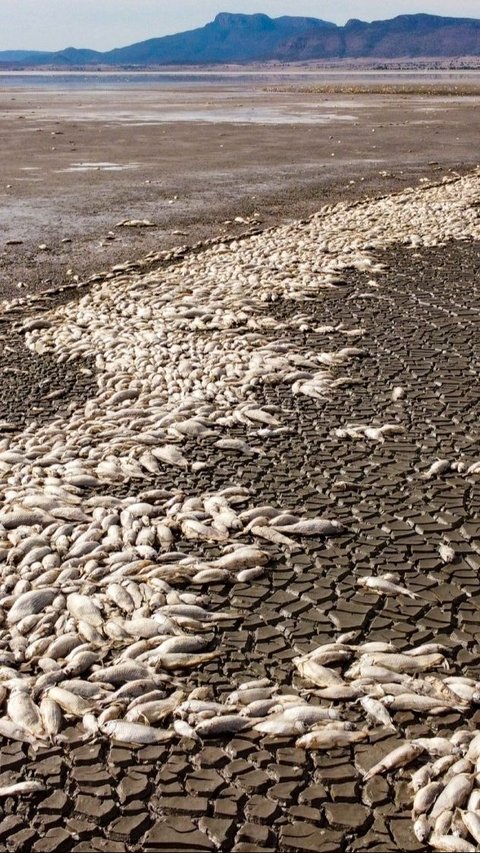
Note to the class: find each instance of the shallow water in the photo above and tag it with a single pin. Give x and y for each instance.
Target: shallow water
(120, 79)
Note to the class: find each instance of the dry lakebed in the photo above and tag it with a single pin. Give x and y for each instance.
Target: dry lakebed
(239, 466)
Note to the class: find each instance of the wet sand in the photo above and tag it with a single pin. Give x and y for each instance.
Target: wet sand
(249, 793)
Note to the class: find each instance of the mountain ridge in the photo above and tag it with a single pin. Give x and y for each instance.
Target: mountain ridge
(241, 38)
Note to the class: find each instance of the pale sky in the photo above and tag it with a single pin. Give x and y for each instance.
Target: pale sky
(105, 24)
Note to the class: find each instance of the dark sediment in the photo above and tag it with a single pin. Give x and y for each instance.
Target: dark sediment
(249, 793)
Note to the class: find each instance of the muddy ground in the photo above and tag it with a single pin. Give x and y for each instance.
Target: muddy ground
(191, 158)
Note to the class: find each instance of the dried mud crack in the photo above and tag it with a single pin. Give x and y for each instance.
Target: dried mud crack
(414, 311)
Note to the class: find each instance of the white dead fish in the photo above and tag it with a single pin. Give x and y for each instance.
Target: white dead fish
(224, 725)
(375, 709)
(71, 703)
(134, 733)
(385, 586)
(83, 609)
(454, 795)
(312, 527)
(328, 738)
(320, 675)
(421, 828)
(425, 797)
(51, 715)
(447, 554)
(20, 789)
(23, 712)
(398, 757)
(451, 844)
(440, 466)
(29, 603)
(472, 822)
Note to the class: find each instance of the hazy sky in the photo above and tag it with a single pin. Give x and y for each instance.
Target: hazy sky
(104, 24)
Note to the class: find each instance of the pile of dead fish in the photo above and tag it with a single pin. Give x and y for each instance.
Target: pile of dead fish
(445, 789)
(101, 615)
(384, 680)
(93, 594)
(446, 803)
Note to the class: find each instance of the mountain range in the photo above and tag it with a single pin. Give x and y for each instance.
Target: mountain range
(234, 38)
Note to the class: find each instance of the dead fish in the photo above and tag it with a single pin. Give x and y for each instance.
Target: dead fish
(309, 715)
(71, 703)
(340, 693)
(23, 712)
(224, 725)
(425, 797)
(447, 554)
(437, 747)
(327, 738)
(121, 597)
(414, 702)
(81, 662)
(12, 731)
(245, 557)
(398, 757)
(184, 730)
(86, 689)
(238, 445)
(473, 751)
(51, 715)
(170, 454)
(385, 586)
(211, 575)
(443, 823)
(472, 823)
(473, 804)
(427, 649)
(406, 663)
(320, 675)
(252, 694)
(454, 795)
(122, 672)
(451, 844)
(135, 733)
(313, 527)
(142, 627)
(272, 535)
(246, 575)
(375, 709)
(179, 660)
(421, 777)
(84, 610)
(154, 711)
(261, 707)
(440, 466)
(30, 786)
(328, 654)
(375, 674)
(421, 828)
(257, 683)
(276, 725)
(61, 646)
(30, 603)
(462, 765)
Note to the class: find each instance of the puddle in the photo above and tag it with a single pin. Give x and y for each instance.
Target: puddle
(99, 167)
